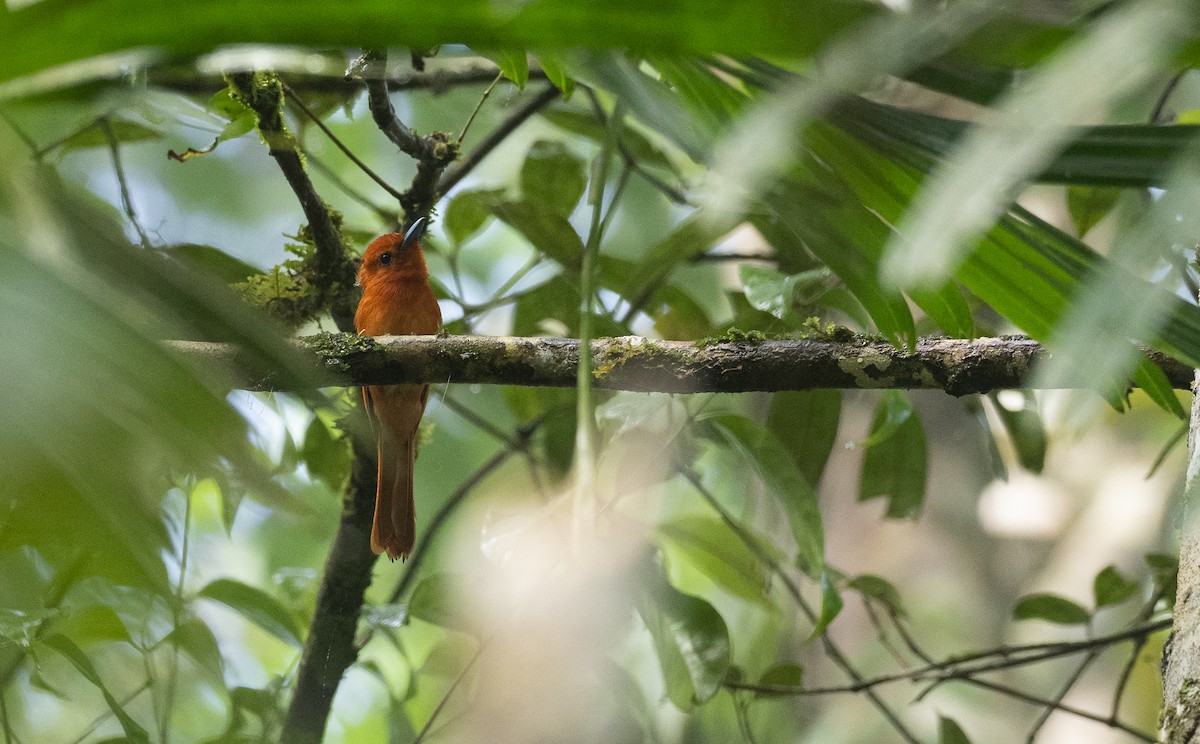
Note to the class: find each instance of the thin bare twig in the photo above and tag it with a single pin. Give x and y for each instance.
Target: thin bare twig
(114, 150)
(475, 112)
(340, 145)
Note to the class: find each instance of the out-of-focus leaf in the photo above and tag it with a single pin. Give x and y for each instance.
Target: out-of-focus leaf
(777, 293)
(546, 230)
(1088, 205)
(553, 67)
(1026, 431)
(806, 424)
(712, 548)
(895, 468)
(780, 675)
(950, 732)
(690, 639)
(81, 662)
(1030, 126)
(196, 640)
(1111, 588)
(553, 177)
(587, 125)
(1051, 608)
(690, 237)
(256, 606)
(877, 588)
(438, 600)
(43, 37)
(213, 261)
(514, 65)
(1154, 383)
(785, 481)
(831, 604)
(145, 615)
(122, 130)
(469, 211)
(327, 458)
(1165, 569)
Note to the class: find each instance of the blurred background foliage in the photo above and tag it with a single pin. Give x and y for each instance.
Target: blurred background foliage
(959, 169)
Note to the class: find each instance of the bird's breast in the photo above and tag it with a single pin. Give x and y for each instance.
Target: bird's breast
(399, 308)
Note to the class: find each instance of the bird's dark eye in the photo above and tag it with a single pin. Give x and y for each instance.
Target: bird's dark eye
(385, 259)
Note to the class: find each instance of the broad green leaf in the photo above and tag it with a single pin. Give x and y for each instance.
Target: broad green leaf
(553, 67)
(122, 130)
(1088, 205)
(1111, 588)
(785, 481)
(777, 293)
(1154, 383)
(65, 646)
(41, 37)
(806, 424)
(145, 615)
(1025, 431)
(326, 457)
(831, 604)
(949, 732)
(1051, 608)
(196, 640)
(893, 410)
(213, 261)
(514, 65)
(438, 600)
(690, 639)
(1030, 126)
(1165, 569)
(879, 589)
(713, 549)
(781, 675)
(469, 211)
(256, 606)
(895, 469)
(553, 177)
(586, 124)
(546, 230)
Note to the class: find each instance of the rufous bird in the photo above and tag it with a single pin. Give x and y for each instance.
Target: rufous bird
(396, 301)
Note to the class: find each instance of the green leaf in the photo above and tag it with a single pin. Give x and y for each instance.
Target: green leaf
(1165, 569)
(1051, 608)
(553, 67)
(553, 177)
(438, 600)
(713, 549)
(1030, 126)
(780, 675)
(895, 468)
(1088, 205)
(785, 481)
(879, 589)
(196, 640)
(83, 664)
(514, 65)
(326, 457)
(122, 130)
(950, 732)
(690, 640)
(1154, 383)
(256, 606)
(638, 145)
(1026, 431)
(469, 211)
(892, 412)
(831, 604)
(213, 261)
(806, 424)
(1111, 588)
(545, 229)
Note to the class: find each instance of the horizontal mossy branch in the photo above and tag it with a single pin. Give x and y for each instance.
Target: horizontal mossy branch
(956, 366)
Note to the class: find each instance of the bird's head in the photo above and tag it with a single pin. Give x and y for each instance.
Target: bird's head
(395, 256)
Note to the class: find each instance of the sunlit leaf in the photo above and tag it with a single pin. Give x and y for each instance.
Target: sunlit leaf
(712, 548)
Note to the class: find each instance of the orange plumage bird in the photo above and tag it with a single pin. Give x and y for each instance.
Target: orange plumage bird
(396, 301)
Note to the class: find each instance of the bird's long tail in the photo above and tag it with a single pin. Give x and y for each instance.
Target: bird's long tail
(394, 528)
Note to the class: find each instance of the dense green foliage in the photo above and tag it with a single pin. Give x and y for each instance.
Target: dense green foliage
(633, 567)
